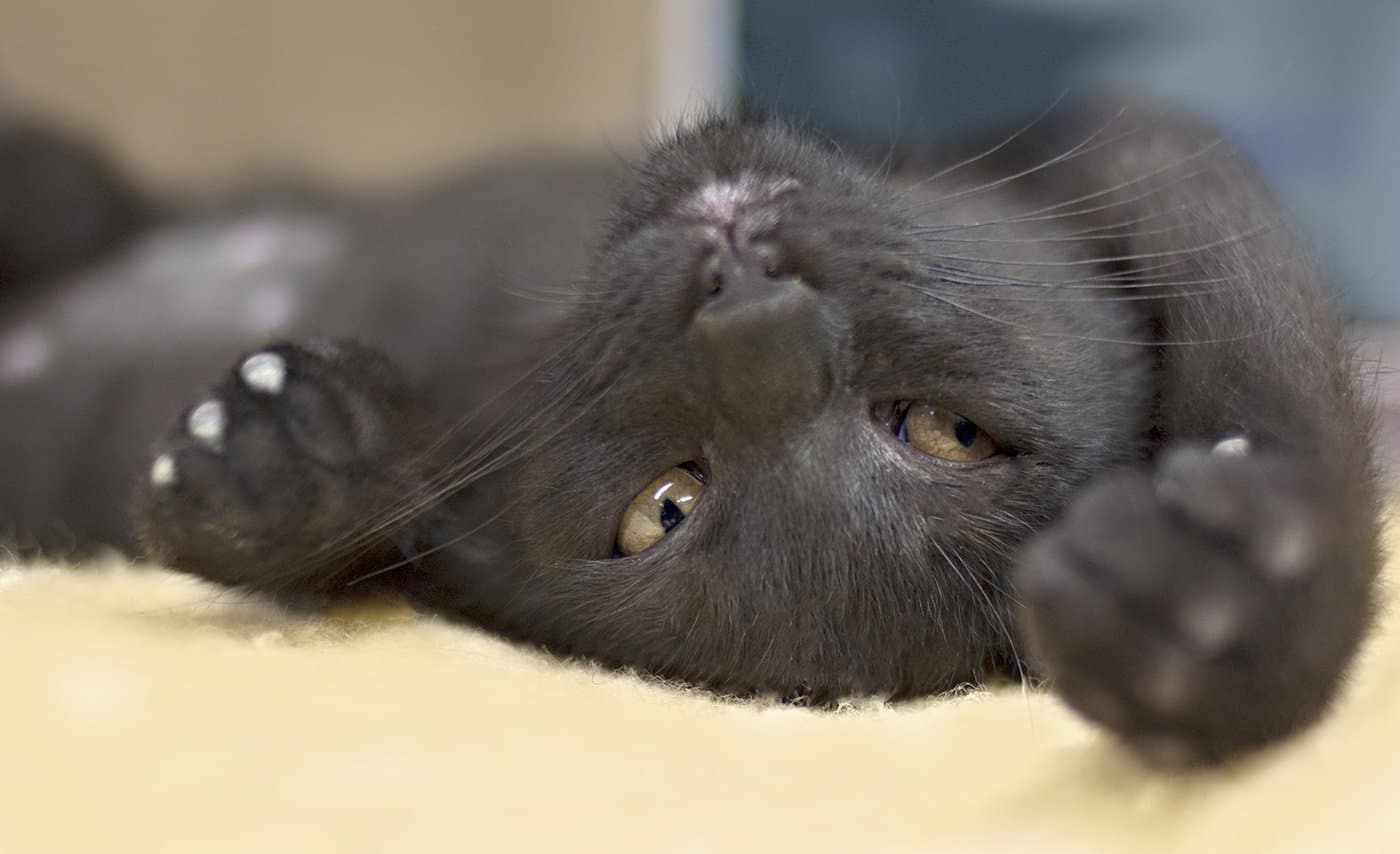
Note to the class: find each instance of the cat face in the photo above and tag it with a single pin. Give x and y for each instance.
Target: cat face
(781, 447)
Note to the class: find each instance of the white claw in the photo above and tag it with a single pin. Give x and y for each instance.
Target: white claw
(1235, 446)
(206, 423)
(163, 471)
(264, 372)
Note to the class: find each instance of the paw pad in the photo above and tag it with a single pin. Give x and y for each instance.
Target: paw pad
(1211, 622)
(1168, 685)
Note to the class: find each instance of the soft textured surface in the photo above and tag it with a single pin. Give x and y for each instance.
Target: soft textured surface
(144, 711)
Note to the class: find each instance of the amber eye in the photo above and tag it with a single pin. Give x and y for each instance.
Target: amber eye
(940, 432)
(663, 505)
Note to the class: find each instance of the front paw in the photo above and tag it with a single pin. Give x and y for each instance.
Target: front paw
(269, 477)
(1201, 609)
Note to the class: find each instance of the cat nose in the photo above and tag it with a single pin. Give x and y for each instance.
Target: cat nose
(766, 345)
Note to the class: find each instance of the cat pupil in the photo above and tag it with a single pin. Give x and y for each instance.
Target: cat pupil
(964, 431)
(671, 515)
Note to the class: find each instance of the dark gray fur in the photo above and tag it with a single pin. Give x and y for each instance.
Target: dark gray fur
(1109, 293)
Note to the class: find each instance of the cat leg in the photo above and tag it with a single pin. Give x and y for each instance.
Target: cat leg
(1211, 601)
(279, 477)
(62, 204)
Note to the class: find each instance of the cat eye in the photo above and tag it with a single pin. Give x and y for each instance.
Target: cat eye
(939, 432)
(659, 508)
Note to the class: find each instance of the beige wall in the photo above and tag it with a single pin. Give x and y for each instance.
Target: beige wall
(189, 90)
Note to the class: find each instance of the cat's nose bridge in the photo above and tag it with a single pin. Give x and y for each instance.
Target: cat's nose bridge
(767, 347)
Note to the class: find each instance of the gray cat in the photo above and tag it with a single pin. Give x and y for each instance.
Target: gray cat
(769, 419)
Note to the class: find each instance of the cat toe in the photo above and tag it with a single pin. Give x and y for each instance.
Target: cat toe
(1268, 511)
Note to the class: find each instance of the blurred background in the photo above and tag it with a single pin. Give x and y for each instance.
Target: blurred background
(189, 92)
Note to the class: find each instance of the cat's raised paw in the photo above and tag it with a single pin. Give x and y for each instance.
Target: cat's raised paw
(1199, 609)
(282, 457)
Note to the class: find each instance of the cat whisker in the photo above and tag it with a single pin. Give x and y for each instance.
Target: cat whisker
(1187, 251)
(977, 158)
(981, 598)
(466, 470)
(422, 495)
(1074, 237)
(1244, 336)
(1105, 288)
(409, 561)
(1035, 215)
(1080, 148)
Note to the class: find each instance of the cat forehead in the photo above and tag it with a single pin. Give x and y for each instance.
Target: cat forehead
(724, 200)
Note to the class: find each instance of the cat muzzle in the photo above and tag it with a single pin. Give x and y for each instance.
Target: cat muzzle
(767, 346)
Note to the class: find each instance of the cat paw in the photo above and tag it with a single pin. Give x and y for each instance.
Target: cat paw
(1200, 609)
(274, 465)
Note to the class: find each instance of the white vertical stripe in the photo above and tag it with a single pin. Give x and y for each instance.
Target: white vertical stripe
(696, 57)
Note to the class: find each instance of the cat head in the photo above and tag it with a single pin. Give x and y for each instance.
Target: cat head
(781, 446)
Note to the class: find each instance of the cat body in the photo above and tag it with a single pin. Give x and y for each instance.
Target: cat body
(100, 347)
(797, 424)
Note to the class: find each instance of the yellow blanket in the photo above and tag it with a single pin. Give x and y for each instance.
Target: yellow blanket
(144, 711)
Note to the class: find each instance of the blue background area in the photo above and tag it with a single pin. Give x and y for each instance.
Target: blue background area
(1310, 87)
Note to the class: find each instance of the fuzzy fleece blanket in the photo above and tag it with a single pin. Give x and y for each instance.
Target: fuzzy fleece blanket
(145, 711)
